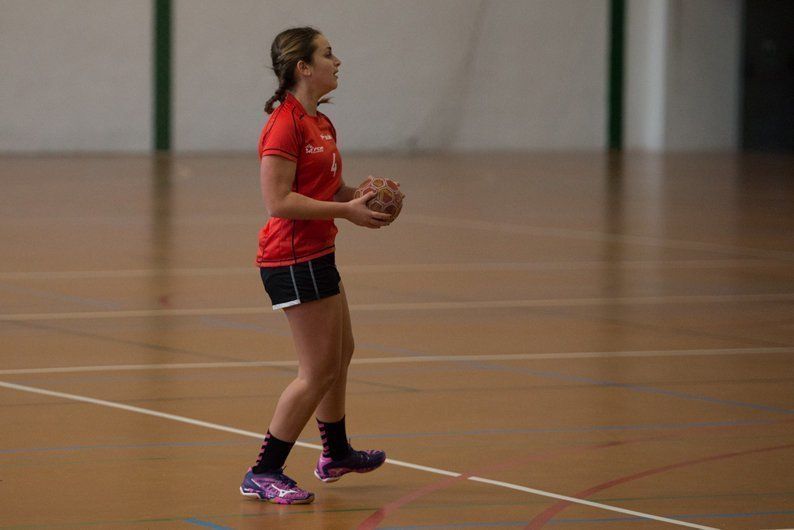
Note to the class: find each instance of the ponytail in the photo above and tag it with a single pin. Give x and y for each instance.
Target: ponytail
(281, 93)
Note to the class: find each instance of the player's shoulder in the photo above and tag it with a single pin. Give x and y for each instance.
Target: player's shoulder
(283, 132)
(285, 121)
(286, 114)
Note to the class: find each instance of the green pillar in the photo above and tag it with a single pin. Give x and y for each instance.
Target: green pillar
(617, 18)
(162, 75)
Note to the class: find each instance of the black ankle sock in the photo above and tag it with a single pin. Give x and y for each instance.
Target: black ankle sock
(334, 439)
(273, 455)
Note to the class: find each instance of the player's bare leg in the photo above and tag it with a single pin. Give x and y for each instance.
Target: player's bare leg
(332, 405)
(316, 331)
(338, 457)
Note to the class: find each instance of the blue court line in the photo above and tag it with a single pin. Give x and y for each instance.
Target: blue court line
(543, 374)
(629, 386)
(207, 524)
(49, 295)
(481, 432)
(593, 428)
(272, 330)
(122, 446)
(493, 524)
(493, 366)
(313, 511)
(231, 324)
(590, 520)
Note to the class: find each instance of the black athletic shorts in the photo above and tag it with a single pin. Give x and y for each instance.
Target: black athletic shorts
(294, 284)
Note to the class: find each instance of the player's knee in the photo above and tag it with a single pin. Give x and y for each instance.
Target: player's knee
(325, 379)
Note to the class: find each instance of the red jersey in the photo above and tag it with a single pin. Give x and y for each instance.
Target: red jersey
(310, 142)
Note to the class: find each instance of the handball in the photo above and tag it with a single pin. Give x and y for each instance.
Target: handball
(388, 197)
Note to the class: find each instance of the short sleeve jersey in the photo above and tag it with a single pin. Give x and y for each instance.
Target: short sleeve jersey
(310, 142)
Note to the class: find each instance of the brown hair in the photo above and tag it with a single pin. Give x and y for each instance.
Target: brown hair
(288, 48)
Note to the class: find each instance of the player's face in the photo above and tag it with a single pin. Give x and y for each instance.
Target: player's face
(325, 66)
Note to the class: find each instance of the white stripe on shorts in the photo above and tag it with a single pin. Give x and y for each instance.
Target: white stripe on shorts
(311, 271)
(294, 283)
(286, 304)
(297, 295)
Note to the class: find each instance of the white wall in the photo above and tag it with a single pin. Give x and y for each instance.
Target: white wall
(416, 74)
(76, 75)
(446, 74)
(682, 74)
(538, 79)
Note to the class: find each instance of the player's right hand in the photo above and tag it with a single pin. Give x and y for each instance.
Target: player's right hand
(358, 213)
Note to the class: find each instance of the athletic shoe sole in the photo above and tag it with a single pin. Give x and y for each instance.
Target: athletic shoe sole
(334, 479)
(275, 500)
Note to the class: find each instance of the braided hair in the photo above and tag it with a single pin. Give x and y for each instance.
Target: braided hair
(290, 47)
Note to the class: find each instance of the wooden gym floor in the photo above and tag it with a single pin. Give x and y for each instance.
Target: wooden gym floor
(561, 341)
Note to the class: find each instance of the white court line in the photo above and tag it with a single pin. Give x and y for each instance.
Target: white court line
(406, 359)
(412, 306)
(592, 235)
(259, 436)
(584, 502)
(406, 267)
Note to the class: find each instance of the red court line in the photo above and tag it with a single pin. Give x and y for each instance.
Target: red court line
(544, 517)
(384, 511)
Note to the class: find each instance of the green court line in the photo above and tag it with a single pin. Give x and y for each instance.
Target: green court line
(617, 19)
(162, 74)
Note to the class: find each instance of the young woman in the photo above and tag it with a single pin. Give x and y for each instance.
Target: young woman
(303, 190)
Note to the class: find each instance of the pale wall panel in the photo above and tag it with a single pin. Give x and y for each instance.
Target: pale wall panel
(539, 78)
(76, 75)
(446, 74)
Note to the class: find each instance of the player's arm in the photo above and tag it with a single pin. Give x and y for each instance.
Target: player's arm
(344, 193)
(276, 176)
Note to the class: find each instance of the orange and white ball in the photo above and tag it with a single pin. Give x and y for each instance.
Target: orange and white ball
(388, 197)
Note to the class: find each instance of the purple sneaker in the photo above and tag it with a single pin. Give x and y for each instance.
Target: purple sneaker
(329, 470)
(274, 487)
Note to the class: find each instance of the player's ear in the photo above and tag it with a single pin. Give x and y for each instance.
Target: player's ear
(303, 68)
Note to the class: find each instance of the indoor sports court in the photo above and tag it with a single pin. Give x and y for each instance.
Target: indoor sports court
(583, 317)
